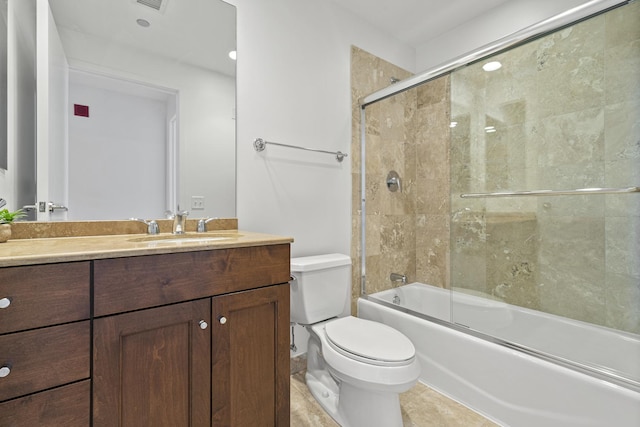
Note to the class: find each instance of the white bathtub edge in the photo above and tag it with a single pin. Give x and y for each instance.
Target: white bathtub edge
(504, 385)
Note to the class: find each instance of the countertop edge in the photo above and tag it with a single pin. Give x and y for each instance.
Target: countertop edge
(65, 249)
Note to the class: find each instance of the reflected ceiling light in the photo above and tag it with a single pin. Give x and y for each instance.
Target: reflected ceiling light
(233, 55)
(143, 22)
(453, 124)
(492, 66)
(490, 129)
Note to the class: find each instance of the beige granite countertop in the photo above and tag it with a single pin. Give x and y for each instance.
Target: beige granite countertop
(46, 250)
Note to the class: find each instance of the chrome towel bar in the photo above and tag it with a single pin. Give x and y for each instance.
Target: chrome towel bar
(260, 144)
(580, 191)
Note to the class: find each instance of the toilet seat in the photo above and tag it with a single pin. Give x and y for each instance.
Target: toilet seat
(369, 342)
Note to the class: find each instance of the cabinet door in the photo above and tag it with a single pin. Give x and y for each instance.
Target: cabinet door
(250, 347)
(152, 367)
(66, 406)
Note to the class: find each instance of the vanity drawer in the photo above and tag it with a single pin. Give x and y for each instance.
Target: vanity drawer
(44, 358)
(125, 284)
(64, 406)
(41, 295)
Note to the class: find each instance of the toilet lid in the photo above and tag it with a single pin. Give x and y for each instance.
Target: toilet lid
(372, 341)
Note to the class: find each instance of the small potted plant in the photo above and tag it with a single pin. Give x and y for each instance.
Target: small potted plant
(6, 218)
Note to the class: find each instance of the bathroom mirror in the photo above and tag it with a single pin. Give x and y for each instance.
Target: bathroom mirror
(149, 115)
(3, 84)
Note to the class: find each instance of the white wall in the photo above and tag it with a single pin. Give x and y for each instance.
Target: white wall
(121, 145)
(294, 88)
(499, 22)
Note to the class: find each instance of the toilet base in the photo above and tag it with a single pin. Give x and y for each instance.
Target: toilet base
(354, 407)
(358, 407)
(325, 395)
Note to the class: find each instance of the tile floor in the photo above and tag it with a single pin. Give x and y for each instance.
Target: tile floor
(421, 407)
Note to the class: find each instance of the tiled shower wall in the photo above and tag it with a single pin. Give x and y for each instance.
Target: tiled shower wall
(566, 109)
(407, 231)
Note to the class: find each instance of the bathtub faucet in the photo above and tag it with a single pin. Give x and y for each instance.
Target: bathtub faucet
(397, 277)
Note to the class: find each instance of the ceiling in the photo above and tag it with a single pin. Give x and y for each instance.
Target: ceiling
(415, 22)
(196, 32)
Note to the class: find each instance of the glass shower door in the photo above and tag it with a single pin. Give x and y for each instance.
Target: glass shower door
(556, 269)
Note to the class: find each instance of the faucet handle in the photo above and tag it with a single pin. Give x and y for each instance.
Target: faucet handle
(202, 224)
(152, 225)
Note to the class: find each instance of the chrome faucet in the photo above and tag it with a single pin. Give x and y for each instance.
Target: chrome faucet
(179, 220)
(152, 225)
(397, 277)
(202, 224)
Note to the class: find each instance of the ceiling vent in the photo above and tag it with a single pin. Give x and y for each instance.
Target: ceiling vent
(159, 5)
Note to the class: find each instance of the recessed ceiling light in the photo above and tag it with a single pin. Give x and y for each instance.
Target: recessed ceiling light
(492, 66)
(143, 23)
(233, 55)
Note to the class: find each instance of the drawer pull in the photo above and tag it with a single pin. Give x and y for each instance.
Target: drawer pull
(222, 320)
(4, 371)
(203, 324)
(5, 302)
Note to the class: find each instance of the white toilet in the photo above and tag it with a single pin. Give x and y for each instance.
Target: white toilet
(356, 368)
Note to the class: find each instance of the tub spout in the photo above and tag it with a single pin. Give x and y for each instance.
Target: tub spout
(397, 277)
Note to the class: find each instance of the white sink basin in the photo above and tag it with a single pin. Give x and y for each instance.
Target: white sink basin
(179, 239)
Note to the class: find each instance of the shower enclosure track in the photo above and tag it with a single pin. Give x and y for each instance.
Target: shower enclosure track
(578, 192)
(571, 16)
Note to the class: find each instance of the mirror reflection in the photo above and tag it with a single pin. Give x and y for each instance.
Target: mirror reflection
(140, 106)
(3, 84)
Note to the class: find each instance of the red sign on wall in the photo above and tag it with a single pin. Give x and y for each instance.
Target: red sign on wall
(81, 110)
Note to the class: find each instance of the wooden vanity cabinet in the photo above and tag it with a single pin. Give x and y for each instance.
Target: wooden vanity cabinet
(45, 339)
(192, 339)
(181, 339)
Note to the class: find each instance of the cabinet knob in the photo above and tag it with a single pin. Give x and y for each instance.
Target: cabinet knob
(4, 371)
(203, 324)
(5, 302)
(222, 320)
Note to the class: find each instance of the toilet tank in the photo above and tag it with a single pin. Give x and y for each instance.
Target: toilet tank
(320, 287)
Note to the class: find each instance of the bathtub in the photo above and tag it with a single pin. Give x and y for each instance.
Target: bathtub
(506, 383)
